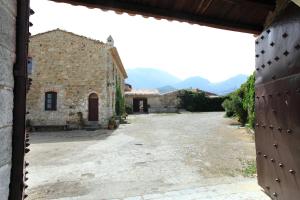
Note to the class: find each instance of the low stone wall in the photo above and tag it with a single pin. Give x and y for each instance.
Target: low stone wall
(7, 59)
(165, 103)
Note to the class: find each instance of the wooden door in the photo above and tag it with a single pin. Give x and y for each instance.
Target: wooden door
(277, 90)
(145, 105)
(136, 105)
(93, 107)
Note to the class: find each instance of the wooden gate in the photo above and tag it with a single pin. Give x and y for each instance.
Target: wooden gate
(277, 106)
(93, 107)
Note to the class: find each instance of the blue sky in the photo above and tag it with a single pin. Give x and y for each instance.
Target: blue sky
(181, 49)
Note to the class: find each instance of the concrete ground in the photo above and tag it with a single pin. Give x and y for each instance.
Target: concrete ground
(185, 156)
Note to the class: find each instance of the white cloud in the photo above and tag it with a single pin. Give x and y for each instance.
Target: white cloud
(181, 49)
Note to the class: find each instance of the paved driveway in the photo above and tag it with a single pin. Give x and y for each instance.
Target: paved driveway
(157, 156)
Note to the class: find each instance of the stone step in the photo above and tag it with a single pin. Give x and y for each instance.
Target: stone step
(92, 126)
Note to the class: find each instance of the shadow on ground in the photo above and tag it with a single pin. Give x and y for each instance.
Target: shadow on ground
(69, 136)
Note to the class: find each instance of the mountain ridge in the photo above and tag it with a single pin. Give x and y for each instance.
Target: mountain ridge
(163, 81)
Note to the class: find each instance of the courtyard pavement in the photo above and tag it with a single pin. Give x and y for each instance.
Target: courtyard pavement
(188, 156)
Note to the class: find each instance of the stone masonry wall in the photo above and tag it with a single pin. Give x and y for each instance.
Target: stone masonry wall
(7, 59)
(165, 103)
(74, 67)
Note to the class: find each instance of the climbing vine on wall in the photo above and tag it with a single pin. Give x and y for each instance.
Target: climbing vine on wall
(120, 101)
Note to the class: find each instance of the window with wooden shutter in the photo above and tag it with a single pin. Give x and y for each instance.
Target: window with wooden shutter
(50, 100)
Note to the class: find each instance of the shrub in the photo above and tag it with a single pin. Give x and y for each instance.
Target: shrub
(229, 108)
(249, 100)
(241, 103)
(128, 109)
(240, 112)
(198, 102)
(112, 123)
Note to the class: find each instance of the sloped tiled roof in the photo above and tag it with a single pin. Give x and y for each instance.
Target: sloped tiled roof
(143, 92)
(64, 31)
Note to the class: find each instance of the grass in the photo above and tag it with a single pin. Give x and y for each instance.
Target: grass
(249, 168)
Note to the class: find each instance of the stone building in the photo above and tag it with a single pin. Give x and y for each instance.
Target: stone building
(152, 101)
(74, 79)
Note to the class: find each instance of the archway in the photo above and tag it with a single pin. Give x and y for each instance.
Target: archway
(19, 91)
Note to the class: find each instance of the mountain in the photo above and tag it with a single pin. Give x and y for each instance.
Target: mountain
(146, 78)
(193, 82)
(150, 78)
(167, 88)
(220, 88)
(230, 85)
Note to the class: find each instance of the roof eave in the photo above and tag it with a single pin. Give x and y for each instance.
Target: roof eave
(118, 60)
(150, 11)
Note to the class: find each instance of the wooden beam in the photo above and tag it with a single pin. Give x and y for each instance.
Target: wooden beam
(265, 4)
(147, 10)
(17, 183)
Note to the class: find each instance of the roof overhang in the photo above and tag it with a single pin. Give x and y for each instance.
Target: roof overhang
(236, 15)
(297, 2)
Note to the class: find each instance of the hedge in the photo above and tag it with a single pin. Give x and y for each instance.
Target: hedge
(198, 102)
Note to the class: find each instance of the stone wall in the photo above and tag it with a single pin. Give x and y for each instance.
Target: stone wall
(74, 67)
(165, 103)
(7, 59)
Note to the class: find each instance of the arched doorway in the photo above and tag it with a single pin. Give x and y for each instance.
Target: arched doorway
(93, 107)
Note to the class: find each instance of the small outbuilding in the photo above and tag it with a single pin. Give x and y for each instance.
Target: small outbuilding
(152, 101)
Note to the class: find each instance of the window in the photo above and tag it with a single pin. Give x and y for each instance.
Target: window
(29, 65)
(50, 100)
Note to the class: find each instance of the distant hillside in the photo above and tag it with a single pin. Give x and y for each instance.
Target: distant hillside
(194, 82)
(166, 89)
(150, 78)
(230, 84)
(220, 88)
(165, 82)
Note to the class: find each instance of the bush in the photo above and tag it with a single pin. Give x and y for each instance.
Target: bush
(112, 123)
(240, 112)
(229, 108)
(249, 100)
(128, 109)
(241, 103)
(198, 102)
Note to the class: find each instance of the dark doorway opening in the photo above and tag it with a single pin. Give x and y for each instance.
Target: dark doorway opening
(140, 105)
(93, 107)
